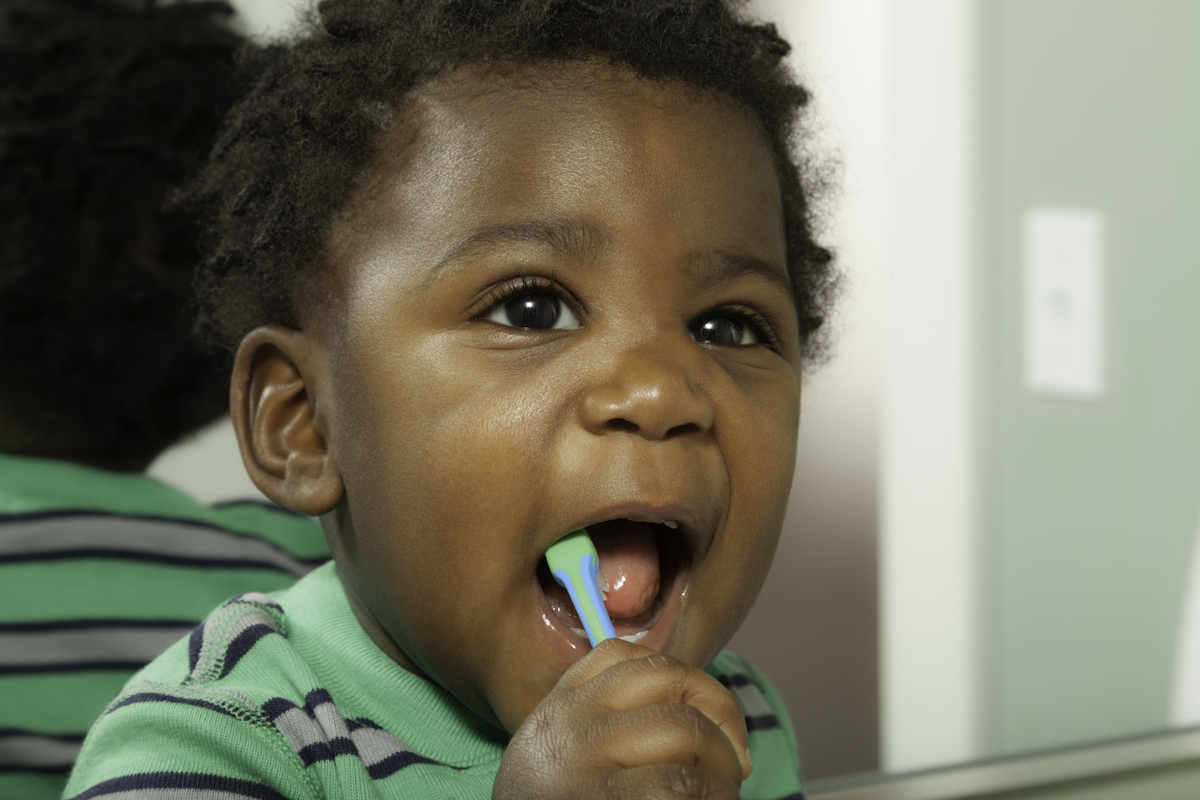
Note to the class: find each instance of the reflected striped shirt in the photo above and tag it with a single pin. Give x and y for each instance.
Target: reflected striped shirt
(99, 573)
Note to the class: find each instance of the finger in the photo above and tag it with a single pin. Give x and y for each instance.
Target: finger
(653, 679)
(665, 733)
(669, 781)
(601, 657)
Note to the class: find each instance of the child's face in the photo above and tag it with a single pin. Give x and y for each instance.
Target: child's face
(620, 222)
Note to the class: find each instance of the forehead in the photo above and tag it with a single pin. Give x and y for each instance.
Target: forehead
(577, 146)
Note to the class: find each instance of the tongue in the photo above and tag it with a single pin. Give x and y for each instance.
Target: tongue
(629, 560)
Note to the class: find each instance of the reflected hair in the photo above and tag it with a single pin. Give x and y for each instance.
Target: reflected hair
(105, 107)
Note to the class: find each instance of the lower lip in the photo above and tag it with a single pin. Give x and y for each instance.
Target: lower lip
(569, 647)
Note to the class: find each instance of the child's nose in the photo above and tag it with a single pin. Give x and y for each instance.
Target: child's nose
(649, 392)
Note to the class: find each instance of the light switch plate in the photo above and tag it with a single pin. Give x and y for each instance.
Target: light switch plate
(1064, 302)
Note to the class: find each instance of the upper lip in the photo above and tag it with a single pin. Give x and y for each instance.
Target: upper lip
(695, 531)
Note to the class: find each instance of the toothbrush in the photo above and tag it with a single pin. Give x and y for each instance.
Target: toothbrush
(573, 563)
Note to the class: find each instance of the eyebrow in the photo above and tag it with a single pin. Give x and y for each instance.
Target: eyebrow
(579, 239)
(584, 241)
(722, 266)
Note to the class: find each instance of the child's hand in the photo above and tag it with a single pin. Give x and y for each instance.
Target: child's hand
(626, 721)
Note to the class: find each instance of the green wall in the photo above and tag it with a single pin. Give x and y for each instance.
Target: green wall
(1092, 507)
(1173, 783)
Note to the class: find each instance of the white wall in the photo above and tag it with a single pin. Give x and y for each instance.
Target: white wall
(264, 18)
(1185, 695)
(207, 466)
(819, 608)
(928, 575)
(893, 83)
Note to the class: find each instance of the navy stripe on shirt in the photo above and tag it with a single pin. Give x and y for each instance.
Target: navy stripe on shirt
(394, 763)
(114, 554)
(241, 645)
(87, 624)
(764, 722)
(195, 641)
(736, 679)
(199, 784)
(74, 666)
(157, 697)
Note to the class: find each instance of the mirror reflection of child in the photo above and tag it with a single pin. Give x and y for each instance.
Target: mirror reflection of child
(105, 107)
(495, 271)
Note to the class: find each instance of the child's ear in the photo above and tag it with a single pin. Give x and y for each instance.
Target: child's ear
(278, 413)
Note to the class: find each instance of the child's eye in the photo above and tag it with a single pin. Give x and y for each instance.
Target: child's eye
(536, 311)
(724, 329)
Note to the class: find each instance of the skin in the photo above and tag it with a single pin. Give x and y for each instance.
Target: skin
(447, 449)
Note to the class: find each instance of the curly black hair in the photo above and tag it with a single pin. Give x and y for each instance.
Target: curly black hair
(105, 107)
(297, 148)
(294, 151)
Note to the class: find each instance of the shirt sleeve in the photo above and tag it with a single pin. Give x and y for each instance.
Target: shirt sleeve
(164, 733)
(777, 770)
(152, 740)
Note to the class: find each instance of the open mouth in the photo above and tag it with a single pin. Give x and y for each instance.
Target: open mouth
(640, 562)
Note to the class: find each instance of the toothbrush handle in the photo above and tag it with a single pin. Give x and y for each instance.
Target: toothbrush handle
(574, 564)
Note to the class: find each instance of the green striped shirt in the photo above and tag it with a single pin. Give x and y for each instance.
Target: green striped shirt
(286, 696)
(99, 573)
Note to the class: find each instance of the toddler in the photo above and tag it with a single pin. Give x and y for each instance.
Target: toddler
(495, 271)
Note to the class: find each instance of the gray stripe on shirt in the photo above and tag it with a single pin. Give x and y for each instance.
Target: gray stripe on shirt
(373, 744)
(244, 623)
(152, 537)
(331, 721)
(31, 751)
(27, 648)
(213, 654)
(753, 703)
(299, 729)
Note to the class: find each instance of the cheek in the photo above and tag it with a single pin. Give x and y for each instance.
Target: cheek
(441, 437)
(758, 445)
(442, 463)
(761, 445)
(761, 459)
(771, 486)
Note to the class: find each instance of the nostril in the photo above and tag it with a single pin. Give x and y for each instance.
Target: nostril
(622, 425)
(680, 430)
(625, 426)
